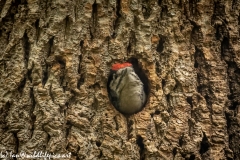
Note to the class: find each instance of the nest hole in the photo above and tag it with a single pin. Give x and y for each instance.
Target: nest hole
(141, 74)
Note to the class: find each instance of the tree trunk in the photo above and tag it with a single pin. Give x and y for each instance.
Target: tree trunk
(55, 62)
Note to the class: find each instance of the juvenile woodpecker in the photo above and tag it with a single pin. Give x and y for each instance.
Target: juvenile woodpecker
(126, 89)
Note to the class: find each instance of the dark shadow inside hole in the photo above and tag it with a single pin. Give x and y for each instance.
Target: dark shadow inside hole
(139, 71)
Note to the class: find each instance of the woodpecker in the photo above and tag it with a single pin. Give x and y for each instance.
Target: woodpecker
(126, 89)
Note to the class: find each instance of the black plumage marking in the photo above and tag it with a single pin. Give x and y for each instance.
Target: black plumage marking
(122, 75)
(134, 75)
(114, 98)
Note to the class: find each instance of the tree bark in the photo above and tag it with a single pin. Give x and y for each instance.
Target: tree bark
(55, 62)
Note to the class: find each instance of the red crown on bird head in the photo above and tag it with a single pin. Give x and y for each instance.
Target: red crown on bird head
(118, 66)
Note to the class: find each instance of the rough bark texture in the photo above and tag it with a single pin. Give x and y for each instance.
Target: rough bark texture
(55, 61)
